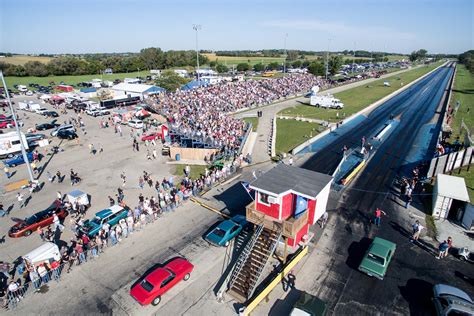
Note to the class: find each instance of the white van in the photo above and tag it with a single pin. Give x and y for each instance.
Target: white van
(46, 252)
(10, 144)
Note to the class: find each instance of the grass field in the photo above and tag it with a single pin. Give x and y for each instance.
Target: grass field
(358, 98)
(23, 59)
(463, 91)
(254, 121)
(196, 171)
(235, 60)
(69, 79)
(291, 133)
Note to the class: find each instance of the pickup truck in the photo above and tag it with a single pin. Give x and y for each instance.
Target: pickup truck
(98, 112)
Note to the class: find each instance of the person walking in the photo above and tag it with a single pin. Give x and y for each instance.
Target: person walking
(417, 228)
(442, 248)
(141, 182)
(58, 175)
(155, 155)
(408, 201)
(19, 198)
(123, 177)
(378, 216)
(450, 244)
(50, 177)
(7, 172)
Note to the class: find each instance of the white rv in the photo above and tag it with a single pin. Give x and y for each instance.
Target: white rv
(325, 101)
(10, 144)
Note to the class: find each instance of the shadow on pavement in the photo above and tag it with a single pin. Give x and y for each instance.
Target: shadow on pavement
(357, 251)
(418, 294)
(235, 199)
(284, 307)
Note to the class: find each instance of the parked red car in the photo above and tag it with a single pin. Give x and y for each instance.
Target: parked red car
(159, 281)
(7, 123)
(41, 219)
(151, 136)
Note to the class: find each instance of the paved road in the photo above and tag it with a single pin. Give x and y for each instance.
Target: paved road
(406, 288)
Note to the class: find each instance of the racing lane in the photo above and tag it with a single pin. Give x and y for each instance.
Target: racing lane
(413, 271)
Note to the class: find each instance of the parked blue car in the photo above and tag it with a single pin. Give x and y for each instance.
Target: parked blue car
(226, 231)
(17, 160)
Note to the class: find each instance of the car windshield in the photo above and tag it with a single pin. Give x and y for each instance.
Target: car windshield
(31, 220)
(219, 232)
(147, 286)
(96, 220)
(376, 259)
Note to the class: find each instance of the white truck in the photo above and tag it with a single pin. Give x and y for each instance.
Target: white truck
(10, 144)
(325, 101)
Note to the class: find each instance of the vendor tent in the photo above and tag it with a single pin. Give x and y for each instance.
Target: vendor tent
(449, 196)
(194, 84)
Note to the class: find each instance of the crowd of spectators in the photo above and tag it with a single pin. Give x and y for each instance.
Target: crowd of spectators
(203, 113)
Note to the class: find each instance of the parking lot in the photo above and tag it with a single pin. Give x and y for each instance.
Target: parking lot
(100, 173)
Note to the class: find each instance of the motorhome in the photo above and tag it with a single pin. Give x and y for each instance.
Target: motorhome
(10, 144)
(324, 101)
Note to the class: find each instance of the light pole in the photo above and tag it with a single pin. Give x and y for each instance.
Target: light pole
(284, 50)
(23, 151)
(327, 59)
(197, 27)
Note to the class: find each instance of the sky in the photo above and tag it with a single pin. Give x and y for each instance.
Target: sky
(97, 26)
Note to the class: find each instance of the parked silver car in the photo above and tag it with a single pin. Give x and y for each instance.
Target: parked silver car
(449, 300)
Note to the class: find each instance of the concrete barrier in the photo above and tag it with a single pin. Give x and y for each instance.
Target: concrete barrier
(369, 108)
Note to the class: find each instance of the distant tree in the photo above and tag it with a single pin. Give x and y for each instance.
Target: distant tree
(36, 69)
(259, 67)
(292, 55)
(212, 64)
(467, 59)
(422, 53)
(273, 66)
(296, 64)
(152, 58)
(316, 68)
(221, 68)
(170, 81)
(335, 63)
(243, 67)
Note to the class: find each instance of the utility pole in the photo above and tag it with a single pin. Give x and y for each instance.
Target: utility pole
(22, 143)
(284, 49)
(327, 59)
(197, 27)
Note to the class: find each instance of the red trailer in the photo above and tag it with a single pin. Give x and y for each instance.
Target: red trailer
(64, 88)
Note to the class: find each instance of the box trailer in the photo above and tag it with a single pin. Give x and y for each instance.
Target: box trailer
(10, 144)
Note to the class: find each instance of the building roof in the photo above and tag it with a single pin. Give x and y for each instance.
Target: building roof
(283, 178)
(136, 88)
(452, 187)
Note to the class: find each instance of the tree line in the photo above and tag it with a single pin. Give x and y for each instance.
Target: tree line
(148, 58)
(467, 59)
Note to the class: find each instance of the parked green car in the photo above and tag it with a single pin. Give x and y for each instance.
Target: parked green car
(111, 215)
(377, 258)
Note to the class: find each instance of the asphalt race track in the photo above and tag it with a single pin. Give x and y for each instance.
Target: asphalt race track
(413, 271)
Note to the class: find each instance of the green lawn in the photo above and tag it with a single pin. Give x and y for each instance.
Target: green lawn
(196, 170)
(358, 98)
(469, 178)
(254, 121)
(291, 133)
(72, 80)
(463, 91)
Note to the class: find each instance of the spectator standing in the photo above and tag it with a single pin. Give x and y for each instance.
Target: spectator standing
(378, 216)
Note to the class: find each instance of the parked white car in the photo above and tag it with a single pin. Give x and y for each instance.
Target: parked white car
(135, 124)
(41, 110)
